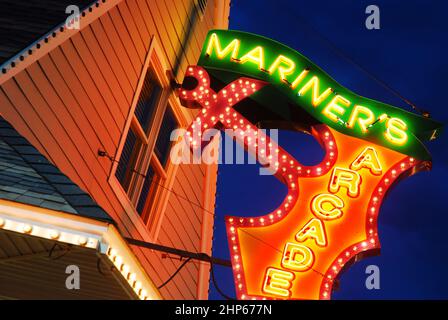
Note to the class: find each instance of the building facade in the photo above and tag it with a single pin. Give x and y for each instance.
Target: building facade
(88, 104)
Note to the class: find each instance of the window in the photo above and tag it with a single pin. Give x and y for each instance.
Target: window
(143, 162)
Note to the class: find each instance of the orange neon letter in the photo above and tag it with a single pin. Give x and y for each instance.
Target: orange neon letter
(364, 122)
(278, 282)
(345, 178)
(256, 56)
(314, 229)
(284, 65)
(327, 206)
(297, 257)
(367, 159)
(336, 108)
(221, 53)
(316, 99)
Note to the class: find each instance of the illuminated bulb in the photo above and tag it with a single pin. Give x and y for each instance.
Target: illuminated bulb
(27, 228)
(411, 159)
(262, 220)
(132, 277)
(251, 220)
(230, 219)
(112, 252)
(144, 293)
(54, 234)
(232, 229)
(271, 216)
(331, 154)
(327, 133)
(394, 172)
(125, 268)
(364, 244)
(375, 199)
(118, 260)
(82, 241)
(240, 286)
(138, 285)
(2, 222)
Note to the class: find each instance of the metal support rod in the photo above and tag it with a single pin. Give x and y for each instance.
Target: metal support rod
(182, 253)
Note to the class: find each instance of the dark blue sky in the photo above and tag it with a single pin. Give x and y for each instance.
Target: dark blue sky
(409, 53)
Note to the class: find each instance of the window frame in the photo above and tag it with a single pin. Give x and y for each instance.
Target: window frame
(152, 213)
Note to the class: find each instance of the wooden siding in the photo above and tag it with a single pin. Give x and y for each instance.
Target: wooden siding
(76, 99)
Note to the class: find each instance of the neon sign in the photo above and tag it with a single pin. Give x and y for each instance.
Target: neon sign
(310, 88)
(329, 216)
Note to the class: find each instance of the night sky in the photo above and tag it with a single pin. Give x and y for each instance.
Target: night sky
(409, 53)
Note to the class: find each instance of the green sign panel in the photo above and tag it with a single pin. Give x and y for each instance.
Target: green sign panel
(308, 87)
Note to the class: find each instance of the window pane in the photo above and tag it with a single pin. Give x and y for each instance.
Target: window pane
(146, 190)
(163, 143)
(147, 102)
(127, 159)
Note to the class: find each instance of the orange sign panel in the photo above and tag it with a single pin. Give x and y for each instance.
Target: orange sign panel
(329, 215)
